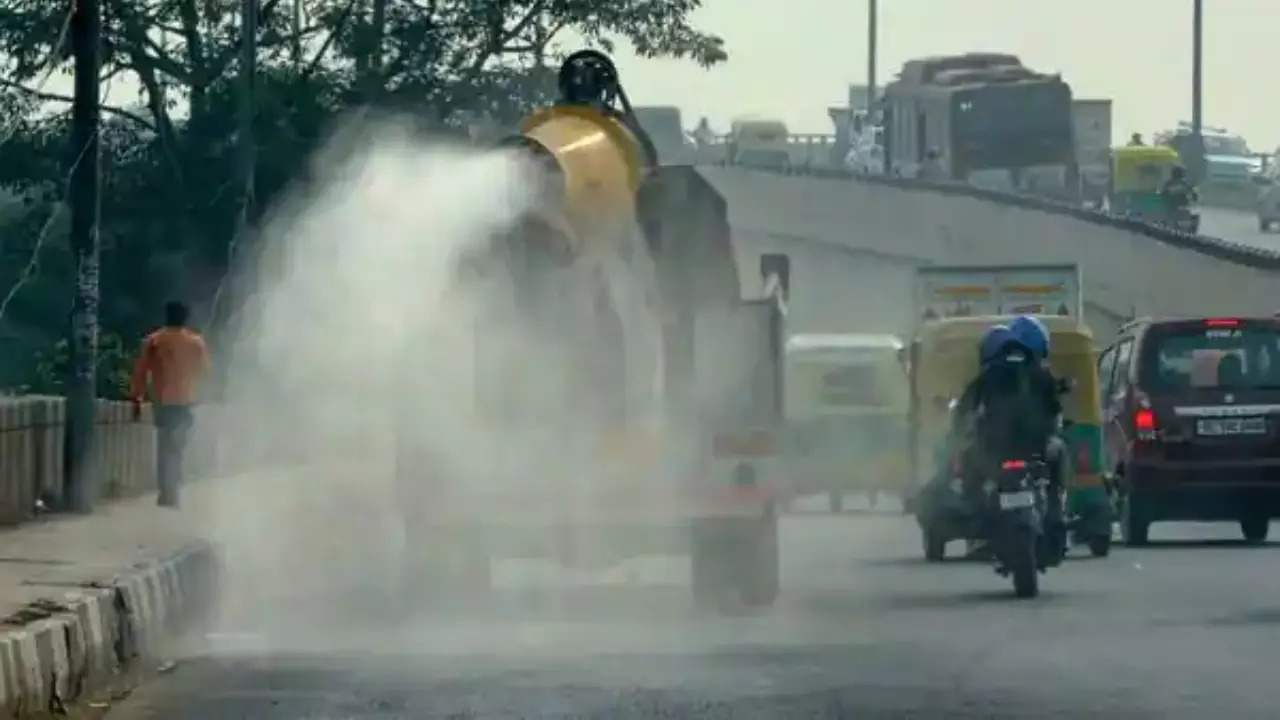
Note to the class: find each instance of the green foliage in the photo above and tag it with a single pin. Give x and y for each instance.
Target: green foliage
(115, 365)
(173, 186)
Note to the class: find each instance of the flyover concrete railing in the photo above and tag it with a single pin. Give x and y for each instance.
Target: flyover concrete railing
(32, 448)
(1126, 272)
(808, 151)
(1130, 268)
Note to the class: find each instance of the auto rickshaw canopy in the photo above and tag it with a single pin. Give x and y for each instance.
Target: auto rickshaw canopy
(946, 359)
(1141, 169)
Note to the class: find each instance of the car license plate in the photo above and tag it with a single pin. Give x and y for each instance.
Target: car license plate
(1016, 500)
(1216, 427)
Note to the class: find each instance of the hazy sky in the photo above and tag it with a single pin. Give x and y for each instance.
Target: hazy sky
(793, 58)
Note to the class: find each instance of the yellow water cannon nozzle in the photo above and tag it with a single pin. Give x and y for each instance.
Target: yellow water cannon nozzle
(593, 154)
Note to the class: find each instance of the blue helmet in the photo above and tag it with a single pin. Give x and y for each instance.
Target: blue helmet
(994, 341)
(1032, 334)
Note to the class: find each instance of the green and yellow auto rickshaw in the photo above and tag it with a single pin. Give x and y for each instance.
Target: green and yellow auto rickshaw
(944, 359)
(1137, 174)
(845, 406)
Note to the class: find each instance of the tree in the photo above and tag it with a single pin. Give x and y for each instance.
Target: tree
(171, 198)
(115, 366)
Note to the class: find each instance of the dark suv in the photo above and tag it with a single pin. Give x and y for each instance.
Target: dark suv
(1191, 414)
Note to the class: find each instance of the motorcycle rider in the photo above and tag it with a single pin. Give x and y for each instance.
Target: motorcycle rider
(1011, 367)
(1011, 409)
(1177, 192)
(1033, 334)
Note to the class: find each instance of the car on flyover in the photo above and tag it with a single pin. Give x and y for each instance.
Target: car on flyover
(1192, 422)
(1268, 199)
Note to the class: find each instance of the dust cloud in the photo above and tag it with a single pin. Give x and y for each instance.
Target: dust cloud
(358, 352)
(357, 272)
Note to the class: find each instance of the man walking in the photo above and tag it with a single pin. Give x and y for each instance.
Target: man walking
(172, 359)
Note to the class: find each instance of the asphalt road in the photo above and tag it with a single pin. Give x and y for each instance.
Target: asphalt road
(1236, 226)
(866, 629)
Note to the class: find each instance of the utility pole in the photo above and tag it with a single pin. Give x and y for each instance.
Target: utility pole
(78, 492)
(296, 27)
(1197, 98)
(246, 142)
(246, 160)
(873, 31)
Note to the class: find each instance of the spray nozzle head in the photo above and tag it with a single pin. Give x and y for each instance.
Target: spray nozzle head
(588, 77)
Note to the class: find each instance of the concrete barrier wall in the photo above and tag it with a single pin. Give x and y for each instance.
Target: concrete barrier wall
(1129, 270)
(123, 454)
(32, 448)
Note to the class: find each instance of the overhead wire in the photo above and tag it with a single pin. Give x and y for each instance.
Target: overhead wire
(47, 68)
(32, 268)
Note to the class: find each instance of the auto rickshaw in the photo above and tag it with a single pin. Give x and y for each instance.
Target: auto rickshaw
(1137, 174)
(943, 361)
(845, 406)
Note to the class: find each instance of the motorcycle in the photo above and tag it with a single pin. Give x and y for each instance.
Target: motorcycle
(1184, 220)
(1017, 506)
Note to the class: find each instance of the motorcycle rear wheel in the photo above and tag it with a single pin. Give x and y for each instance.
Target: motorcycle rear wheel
(1020, 559)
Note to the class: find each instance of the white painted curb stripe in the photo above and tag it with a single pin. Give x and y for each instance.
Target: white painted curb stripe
(101, 631)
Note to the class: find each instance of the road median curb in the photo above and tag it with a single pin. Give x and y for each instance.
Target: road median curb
(58, 651)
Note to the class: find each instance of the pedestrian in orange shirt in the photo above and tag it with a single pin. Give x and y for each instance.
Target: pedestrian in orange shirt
(172, 360)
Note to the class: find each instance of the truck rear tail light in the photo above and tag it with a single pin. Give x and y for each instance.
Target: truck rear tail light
(631, 446)
(744, 444)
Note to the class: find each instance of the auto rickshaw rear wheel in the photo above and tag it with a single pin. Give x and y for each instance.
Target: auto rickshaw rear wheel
(1255, 529)
(935, 546)
(1100, 546)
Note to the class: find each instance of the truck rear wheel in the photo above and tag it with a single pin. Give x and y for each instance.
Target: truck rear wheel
(835, 501)
(444, 567)
(735, 563)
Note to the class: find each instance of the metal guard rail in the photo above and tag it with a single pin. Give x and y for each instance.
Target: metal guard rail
(1219, 248)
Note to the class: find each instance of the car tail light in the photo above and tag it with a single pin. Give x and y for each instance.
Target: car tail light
(1014, 465)
(1144, 423)
(1222, 322)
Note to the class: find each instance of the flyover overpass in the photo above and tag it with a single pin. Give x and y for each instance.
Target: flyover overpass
(854, 241)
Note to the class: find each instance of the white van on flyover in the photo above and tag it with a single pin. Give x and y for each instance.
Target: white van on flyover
(846, 401)
(760, 142)
(1268, 184)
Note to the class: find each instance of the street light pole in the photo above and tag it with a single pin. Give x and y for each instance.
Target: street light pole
(246, 143)
(1197, 97)
(872, 37)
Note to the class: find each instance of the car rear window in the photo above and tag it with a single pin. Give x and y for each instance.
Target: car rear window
(1214, 354)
